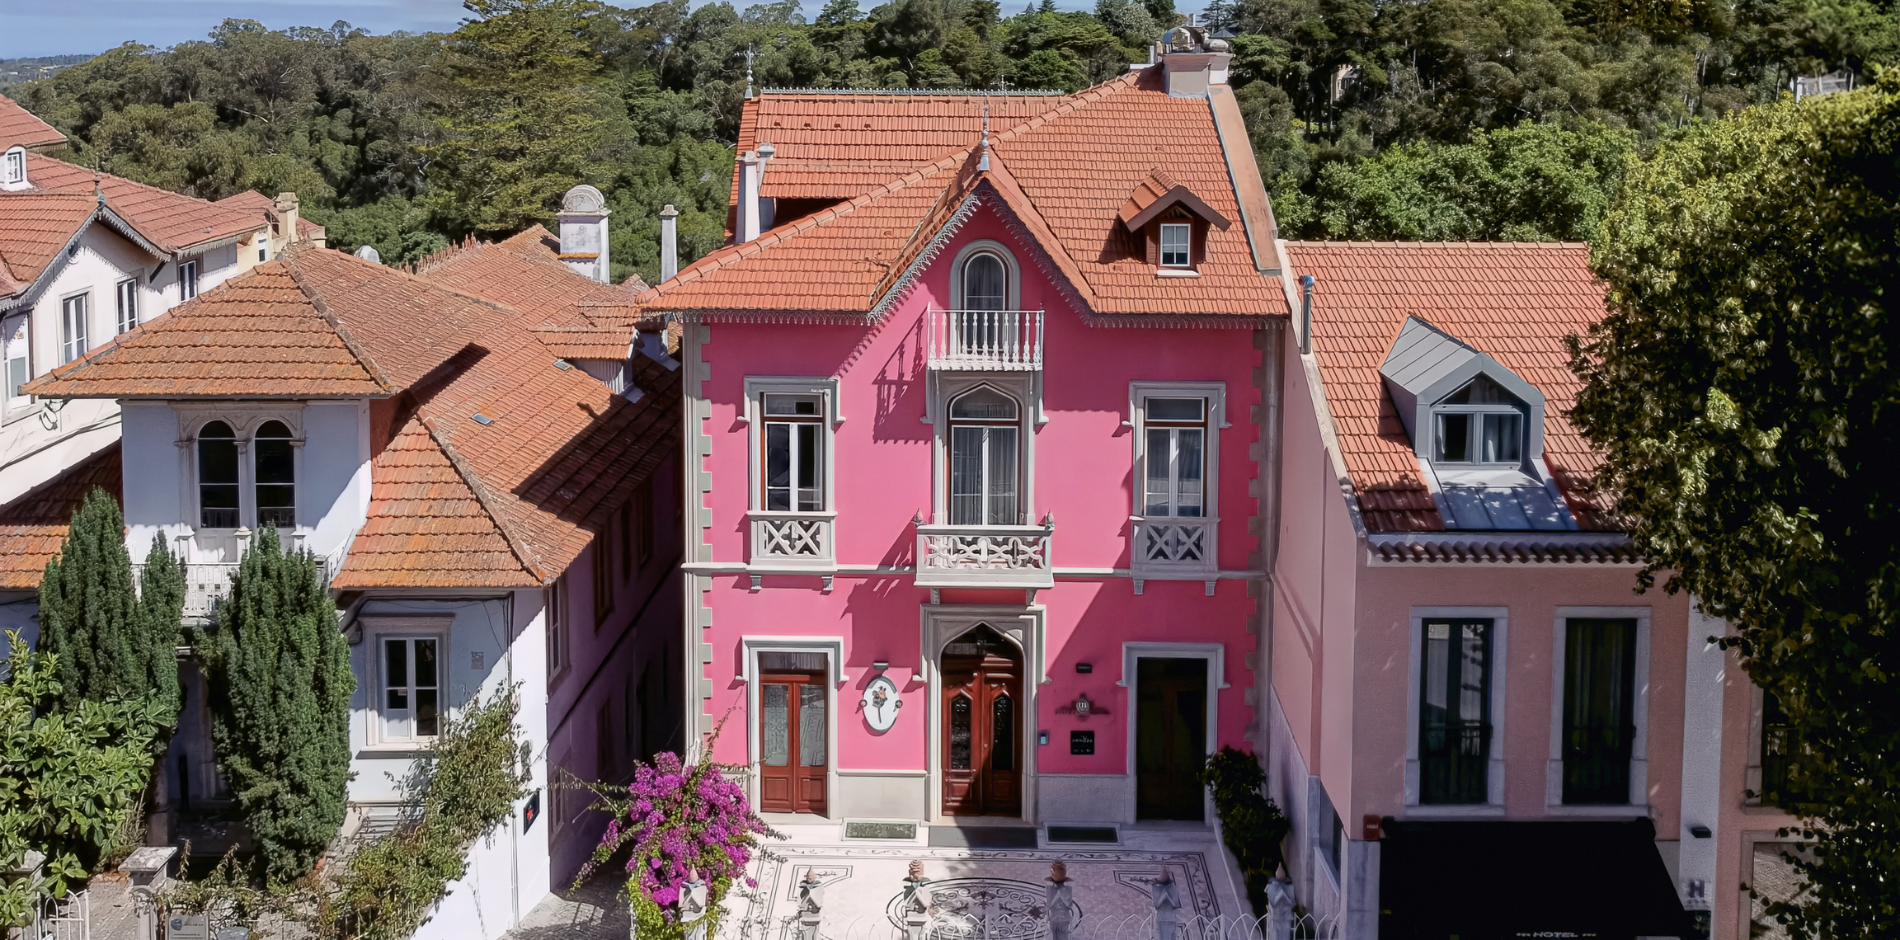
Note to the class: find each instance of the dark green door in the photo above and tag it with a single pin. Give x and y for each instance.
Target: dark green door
(1170, 737)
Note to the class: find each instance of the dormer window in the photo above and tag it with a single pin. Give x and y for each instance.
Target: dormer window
(1479, 424)
(13, 168)
(1176, 239)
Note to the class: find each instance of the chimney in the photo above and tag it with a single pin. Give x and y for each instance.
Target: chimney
(669, 242)
(748, 228)
(1192, 61)
(768, 207)
(583, 224)
(286, 210)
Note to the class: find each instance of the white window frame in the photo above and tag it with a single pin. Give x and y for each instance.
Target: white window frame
(1020, 387)
(244, 418)
(10, 353)
(1493, 805)
(1013, 292)
(187, 280)
(126, 296)
(559, 608)
(74, 335)
(835, 677)
(1474, 440)
(1215, 394)
(1216, 656)
(1187, 250)
(1639, 715)
(377, 629)
(13, 168)
(758, 518)
(987, 485)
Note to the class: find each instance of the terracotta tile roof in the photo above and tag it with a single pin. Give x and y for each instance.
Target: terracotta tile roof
(33, 526)
(171, 222)
(1506, 548)
(1513, 301)
(256, 335)
(524, 274)
(20, 126)
(34, 227)
(257, 204)
(1064, 166)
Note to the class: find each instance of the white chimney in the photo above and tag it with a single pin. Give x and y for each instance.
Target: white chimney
(669, 242)
(285, 209)
(748, 227)
(1193, 61)
(583, 222)
(768, 207)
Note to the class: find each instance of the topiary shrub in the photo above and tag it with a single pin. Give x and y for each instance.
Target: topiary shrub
(1251, 823)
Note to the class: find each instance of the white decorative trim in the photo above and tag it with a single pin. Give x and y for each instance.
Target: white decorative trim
(1500, 618)
(833, 648)
(378, 627)
(1012, 273)
(1216, 656)
(1215, 394)
(1026, 389)
(940, 623)
(759, 521)
(1639, 713)
(908, 281)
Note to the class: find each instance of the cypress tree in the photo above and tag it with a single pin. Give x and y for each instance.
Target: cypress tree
(279, 675)
(110, 643)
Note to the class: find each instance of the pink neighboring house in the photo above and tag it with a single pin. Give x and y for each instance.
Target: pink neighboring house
(1477, 724)
(976, 394)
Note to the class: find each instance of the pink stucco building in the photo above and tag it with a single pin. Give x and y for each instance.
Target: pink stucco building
(975, 397)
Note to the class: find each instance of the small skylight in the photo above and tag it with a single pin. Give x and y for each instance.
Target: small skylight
(482, 419)
(563, 364)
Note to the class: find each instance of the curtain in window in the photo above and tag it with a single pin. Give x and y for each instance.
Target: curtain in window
(276, 476)
(1175, 471)
(982, 475)
(1599, 713)
(793, 467)
(73, 339)
(985, 283)
(1455, 729)
(217, 477)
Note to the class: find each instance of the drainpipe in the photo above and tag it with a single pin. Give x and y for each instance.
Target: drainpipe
(1273, 374)
(1306, 314)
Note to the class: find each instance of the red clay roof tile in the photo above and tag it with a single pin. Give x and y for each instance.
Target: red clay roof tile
(20, 126)
(173, 223)
(33, 526)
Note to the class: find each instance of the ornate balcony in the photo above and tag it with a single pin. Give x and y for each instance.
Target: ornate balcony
(985, 340)
(968, 556)
(792, 540)
(1175, 549)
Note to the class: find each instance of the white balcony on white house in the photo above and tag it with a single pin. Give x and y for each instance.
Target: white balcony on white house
(985, 340)
(792, 541)
(985, 556)
(1175, 548)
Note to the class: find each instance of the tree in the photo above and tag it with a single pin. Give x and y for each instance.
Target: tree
(67, 775)
(1745, 390)
(524, 115)
(278, 672)
(110, 644)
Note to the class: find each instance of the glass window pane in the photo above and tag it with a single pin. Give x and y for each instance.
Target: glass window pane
(776, 733)
(1188, 470)
(1502, 433)
(985, 283)
(1176, 409)
(1471, 685)
(984, 404)
(1454, 433)
(966, 476)
(1160, 449)
(1174, 244)
(425, 664)
(778, 467)
(425, 713)
(811, 725)
(17, 360)
(1002, 476)
(798, 405)
(810, 469)
(1003, 734)
(960, 733)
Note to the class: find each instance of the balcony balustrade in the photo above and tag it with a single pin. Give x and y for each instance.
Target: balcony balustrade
(792, 539)
(968, 556)
(985, 340)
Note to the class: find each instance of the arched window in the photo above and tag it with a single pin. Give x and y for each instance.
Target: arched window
(276, 476)
(217, 477)
(985, 282)
(984, 429)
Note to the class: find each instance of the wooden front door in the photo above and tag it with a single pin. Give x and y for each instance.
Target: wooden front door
(792, 752)
(1170, 737)
(982, 726)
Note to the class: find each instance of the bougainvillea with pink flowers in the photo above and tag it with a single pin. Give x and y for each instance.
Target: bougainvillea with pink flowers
(678, 820)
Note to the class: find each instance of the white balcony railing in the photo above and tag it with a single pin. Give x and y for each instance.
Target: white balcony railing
(792, 539)
(1175, 549)
(1004, 556)
(986, 340)
(205, 585)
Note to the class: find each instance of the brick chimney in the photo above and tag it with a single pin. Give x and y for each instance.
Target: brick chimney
(583, 224)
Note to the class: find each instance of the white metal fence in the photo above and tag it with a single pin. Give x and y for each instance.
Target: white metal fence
(69, 918)
(944, 926)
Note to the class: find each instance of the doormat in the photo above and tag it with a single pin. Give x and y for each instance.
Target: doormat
(866, 829)
(984, 837)
(1097, 834)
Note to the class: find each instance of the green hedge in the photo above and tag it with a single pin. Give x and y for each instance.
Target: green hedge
(1251, 824)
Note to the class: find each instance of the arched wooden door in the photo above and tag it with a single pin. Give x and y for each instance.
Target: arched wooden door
(981, 712)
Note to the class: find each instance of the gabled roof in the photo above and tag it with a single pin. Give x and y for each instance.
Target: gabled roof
(524, 273)
(34, 228)
(1514, 302)
(173, 223)
(1061, 166)
(1158, 193)
(1425, 364)
(20, 126)
(33, 527)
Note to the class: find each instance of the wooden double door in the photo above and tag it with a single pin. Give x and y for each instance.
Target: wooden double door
(982, 726)
(1170, 738)
(792, 753)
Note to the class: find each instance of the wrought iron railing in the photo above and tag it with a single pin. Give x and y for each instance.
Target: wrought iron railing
(1597, 763)
(985, 556)
(1454, 758)
(985, 340)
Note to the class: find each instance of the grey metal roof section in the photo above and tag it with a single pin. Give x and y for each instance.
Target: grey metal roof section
(1521, 505)
(1426, 364)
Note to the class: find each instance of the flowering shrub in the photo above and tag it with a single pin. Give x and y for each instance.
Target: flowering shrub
(677, 820)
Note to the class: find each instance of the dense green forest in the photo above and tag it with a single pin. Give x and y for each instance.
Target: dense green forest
(1469, 119)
